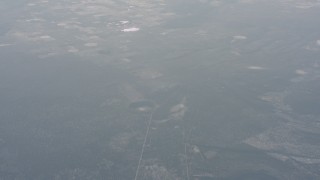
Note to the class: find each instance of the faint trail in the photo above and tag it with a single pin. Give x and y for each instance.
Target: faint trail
(185, 149)
(143, 145)
(187, 163)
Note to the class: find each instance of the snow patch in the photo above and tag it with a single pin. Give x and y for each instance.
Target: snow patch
(91, 44)
(300, 72)
(133, 29)
(256, 67)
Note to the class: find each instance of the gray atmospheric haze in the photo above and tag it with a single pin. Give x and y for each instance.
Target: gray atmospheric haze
(159, 90)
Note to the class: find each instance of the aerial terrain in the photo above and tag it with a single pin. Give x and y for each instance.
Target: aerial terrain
(159, 90)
